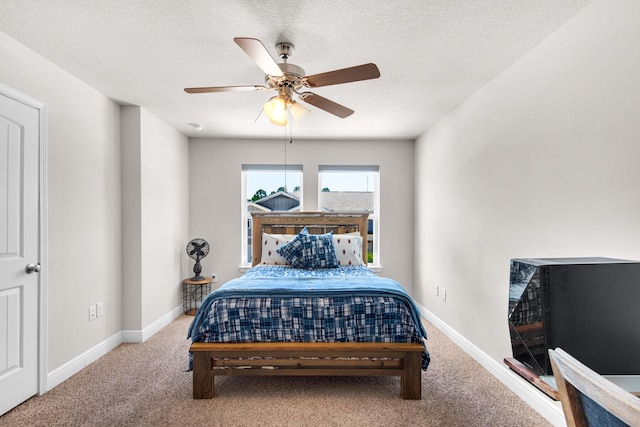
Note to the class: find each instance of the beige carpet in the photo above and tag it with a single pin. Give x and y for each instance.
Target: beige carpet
(147, 385)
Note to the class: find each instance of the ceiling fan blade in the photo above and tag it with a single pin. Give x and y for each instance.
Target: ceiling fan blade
(326, 105)
(223, 89)
(260, 55)
(345, 75)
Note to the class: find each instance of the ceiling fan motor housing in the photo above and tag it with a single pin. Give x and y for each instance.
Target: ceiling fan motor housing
(292, 76)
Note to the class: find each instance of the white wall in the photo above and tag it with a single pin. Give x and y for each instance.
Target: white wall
(130, 131)
(542, 162)
(155, 211)
(84, 201)
(215, 199)
(165, 216)
(86, 247)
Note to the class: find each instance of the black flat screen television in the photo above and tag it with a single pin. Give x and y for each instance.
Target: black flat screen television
(590, 307)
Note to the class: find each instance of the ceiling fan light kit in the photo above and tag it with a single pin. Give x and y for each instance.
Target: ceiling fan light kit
(289, 78)
(276, 109)
(298, 111)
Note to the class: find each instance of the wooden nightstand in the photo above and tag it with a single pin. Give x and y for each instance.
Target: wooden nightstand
(193, 292)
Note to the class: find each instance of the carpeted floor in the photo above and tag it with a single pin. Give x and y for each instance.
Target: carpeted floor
(147, 385)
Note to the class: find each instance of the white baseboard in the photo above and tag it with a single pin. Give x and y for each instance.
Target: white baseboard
(541, 403)
(143, 335)
(66, 371)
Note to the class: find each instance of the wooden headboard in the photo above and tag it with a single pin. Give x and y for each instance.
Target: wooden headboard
(316, 223)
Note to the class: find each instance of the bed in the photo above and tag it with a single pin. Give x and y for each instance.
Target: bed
(332, 317)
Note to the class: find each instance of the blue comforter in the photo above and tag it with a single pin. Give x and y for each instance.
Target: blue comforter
(281, 303)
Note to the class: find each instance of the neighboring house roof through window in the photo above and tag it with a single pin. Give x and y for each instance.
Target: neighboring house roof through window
(280, 201)
(347, 201)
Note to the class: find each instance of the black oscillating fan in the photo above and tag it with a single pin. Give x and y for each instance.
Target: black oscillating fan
(197, 249)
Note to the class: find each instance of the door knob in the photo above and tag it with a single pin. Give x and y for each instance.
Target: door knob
(32, 268)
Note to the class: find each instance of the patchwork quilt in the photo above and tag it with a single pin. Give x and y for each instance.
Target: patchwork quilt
(278, 303)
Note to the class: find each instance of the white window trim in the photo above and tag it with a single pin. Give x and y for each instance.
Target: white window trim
(244, 215)
(376, 266)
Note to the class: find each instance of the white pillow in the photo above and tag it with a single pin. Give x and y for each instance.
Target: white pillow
(348, 248)
(270, 245)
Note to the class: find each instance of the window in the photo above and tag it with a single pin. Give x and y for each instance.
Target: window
(353, 189)
(267, 188)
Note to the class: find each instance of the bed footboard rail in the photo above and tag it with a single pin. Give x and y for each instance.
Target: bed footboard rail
(307, 359)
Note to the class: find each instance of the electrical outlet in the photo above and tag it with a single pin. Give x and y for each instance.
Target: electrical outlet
(92, 312)
(99, 309)
(444, 295)
(214, 277)
(437, 290)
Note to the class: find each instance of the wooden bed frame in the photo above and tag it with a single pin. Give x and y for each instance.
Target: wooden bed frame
(307, 358)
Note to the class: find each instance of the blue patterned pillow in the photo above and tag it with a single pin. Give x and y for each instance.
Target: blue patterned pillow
(318, 251)
(292, 251)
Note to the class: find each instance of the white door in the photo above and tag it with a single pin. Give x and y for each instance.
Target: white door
(19, 240)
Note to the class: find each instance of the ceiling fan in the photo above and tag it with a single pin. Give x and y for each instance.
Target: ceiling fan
(288, 79)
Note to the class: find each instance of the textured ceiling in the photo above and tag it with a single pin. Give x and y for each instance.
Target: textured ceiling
(432, 55)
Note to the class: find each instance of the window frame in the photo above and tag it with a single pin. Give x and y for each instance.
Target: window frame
(245, 215)
(375, 215)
